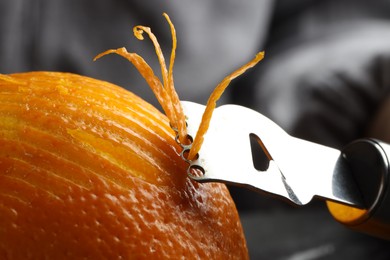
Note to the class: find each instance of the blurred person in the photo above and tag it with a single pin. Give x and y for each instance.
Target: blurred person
(214, 38)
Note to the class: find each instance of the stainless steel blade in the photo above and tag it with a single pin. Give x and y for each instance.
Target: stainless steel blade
(298, 169)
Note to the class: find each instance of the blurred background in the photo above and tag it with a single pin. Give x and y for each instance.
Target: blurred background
(325, 78)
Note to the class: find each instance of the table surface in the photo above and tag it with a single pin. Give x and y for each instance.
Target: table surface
(306, 233)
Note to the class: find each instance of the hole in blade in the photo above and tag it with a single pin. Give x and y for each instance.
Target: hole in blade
(259, 157)
(196, 171)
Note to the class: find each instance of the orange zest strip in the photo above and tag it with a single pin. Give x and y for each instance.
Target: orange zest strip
(180, 117)
(165, 92)
(147, 73)
(138, 33)
(212, 102)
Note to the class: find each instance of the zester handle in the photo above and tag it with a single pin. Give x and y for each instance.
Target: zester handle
(369, 163)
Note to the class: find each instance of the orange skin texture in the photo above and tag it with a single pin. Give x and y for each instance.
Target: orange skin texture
(88, 169)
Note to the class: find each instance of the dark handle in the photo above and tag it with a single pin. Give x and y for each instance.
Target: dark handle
(368, 160)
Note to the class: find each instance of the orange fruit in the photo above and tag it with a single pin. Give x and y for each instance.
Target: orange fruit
(90, 170)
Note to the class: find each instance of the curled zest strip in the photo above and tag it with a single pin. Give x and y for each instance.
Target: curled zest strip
(165, 92)
(147, 73)
(180, 117)
(138, 33)
(212, 102)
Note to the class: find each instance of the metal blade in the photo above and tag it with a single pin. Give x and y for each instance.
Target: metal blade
(298, 169)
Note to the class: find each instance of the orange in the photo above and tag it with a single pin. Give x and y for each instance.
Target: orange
(90, 170)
